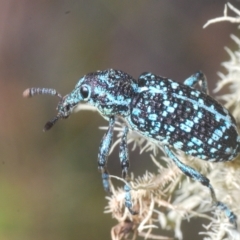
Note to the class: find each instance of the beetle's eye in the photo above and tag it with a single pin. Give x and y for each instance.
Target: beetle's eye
(84, 90)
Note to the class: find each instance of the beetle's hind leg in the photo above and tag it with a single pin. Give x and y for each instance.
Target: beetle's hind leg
(196, 78)
(190, 172)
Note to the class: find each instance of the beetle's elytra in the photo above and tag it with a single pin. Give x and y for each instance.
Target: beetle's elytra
(174, 114)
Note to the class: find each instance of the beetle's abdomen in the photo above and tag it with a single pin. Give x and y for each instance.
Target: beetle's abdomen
(185, 118)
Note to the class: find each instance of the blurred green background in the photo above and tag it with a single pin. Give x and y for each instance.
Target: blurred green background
(50, 188)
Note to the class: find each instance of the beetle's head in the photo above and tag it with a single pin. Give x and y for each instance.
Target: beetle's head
(110, 91)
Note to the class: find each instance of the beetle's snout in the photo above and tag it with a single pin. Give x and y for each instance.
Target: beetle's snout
(64, 108)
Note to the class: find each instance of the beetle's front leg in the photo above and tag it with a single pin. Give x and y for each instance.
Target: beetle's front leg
(124, 159)
(104, 150)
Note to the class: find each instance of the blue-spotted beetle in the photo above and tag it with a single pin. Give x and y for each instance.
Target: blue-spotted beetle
(171, 113)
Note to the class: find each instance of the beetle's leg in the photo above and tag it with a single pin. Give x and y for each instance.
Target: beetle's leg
(123, 153)
(124, 159)
(195, 78)
(104, 149)
(190, 172)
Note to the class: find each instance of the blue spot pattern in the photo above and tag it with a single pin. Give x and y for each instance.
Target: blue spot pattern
(189, 116)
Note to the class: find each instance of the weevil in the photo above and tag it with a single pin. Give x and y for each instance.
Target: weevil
(176, 115)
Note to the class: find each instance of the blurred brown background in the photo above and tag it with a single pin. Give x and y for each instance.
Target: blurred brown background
(50, 188)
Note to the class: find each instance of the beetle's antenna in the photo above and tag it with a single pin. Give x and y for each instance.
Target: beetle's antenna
(50, 123)
(30, 92)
